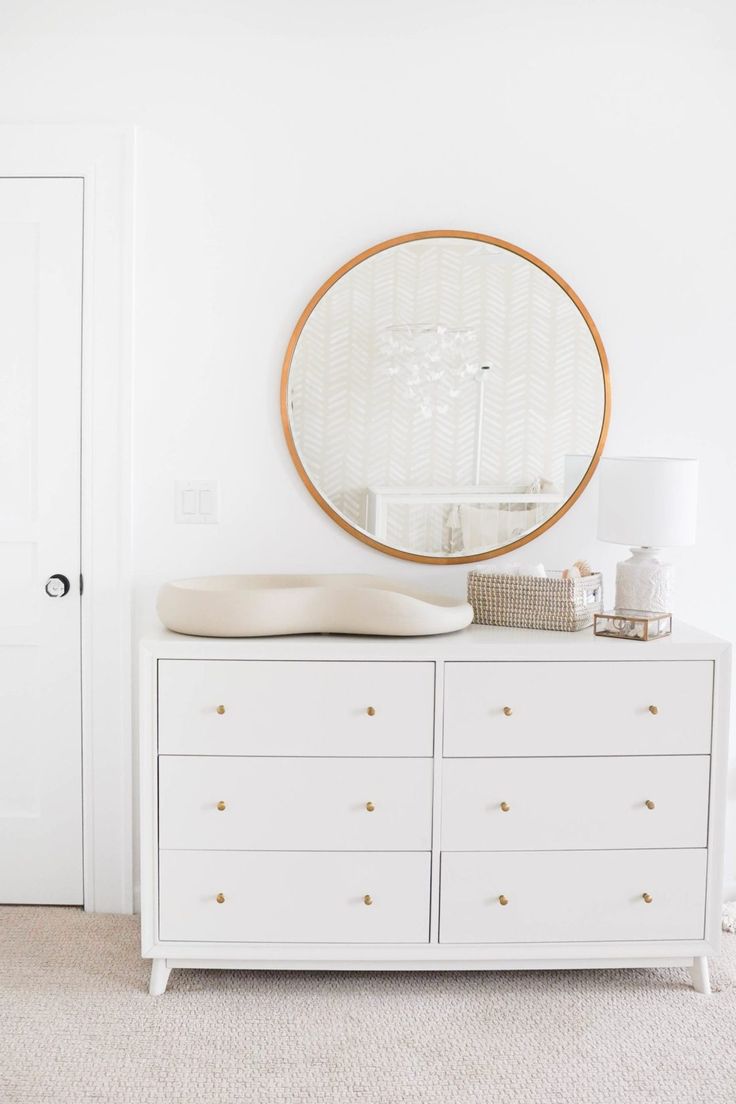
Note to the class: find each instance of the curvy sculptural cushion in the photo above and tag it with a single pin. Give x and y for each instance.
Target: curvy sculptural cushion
(279, 605)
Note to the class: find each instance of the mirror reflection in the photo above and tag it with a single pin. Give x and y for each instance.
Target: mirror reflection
(436, 392)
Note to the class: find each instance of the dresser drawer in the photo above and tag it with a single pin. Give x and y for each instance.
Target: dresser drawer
(295, 804)
(549, 804)
(295, 708)
(572, 896)
(593, 708)
(294, 897)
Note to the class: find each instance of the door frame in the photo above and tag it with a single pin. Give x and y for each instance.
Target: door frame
(104, 157)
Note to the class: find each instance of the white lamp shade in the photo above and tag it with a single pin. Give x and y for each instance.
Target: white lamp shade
(648, 502)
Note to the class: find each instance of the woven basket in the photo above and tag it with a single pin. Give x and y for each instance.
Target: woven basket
(528, 602)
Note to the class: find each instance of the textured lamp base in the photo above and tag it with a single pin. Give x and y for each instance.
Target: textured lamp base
(643, 582)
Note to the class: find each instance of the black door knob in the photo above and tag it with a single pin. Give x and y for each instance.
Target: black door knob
(57, 586)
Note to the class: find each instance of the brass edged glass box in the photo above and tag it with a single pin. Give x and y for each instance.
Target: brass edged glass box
(633, 624)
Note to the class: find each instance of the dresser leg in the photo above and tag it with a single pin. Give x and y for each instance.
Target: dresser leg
(699, 974)
(159, 977)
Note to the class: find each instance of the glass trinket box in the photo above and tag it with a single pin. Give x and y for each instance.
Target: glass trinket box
(633, 624)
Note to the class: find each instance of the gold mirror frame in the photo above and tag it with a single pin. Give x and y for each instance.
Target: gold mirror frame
(291, 443)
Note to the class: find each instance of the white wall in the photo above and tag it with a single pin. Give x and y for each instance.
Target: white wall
(279, 137)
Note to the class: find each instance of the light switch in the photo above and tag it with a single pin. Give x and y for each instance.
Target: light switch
(195, 502)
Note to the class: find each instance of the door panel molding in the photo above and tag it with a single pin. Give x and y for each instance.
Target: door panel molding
(105, 158)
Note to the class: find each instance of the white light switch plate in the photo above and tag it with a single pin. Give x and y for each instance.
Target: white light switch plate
(196, 501)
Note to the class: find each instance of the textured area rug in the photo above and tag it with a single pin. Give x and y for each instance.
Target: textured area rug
(77, 1025)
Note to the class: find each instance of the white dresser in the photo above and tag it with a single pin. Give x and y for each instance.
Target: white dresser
(492, 799)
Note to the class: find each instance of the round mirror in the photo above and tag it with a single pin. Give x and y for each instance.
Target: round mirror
(445, 397)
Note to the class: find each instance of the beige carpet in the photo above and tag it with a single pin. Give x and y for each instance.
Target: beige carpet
(77, 1025)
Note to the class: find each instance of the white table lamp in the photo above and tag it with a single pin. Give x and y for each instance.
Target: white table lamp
(649, 503)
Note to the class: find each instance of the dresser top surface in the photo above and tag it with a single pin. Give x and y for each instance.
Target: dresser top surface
(476, 643)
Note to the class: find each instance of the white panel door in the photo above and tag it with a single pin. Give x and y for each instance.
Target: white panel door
(40, 388)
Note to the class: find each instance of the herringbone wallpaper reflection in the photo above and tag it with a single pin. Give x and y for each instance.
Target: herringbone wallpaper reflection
(355, 426)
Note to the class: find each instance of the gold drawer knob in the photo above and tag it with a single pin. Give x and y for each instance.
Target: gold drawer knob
(507, 711)
(220, 898)
(502, 900)
(370, 806)
(221, 806)
(367, 900)
(647, 898)
(649, 804)
(371, 711)
(654, 710)
(505, 806)
(220, 709)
